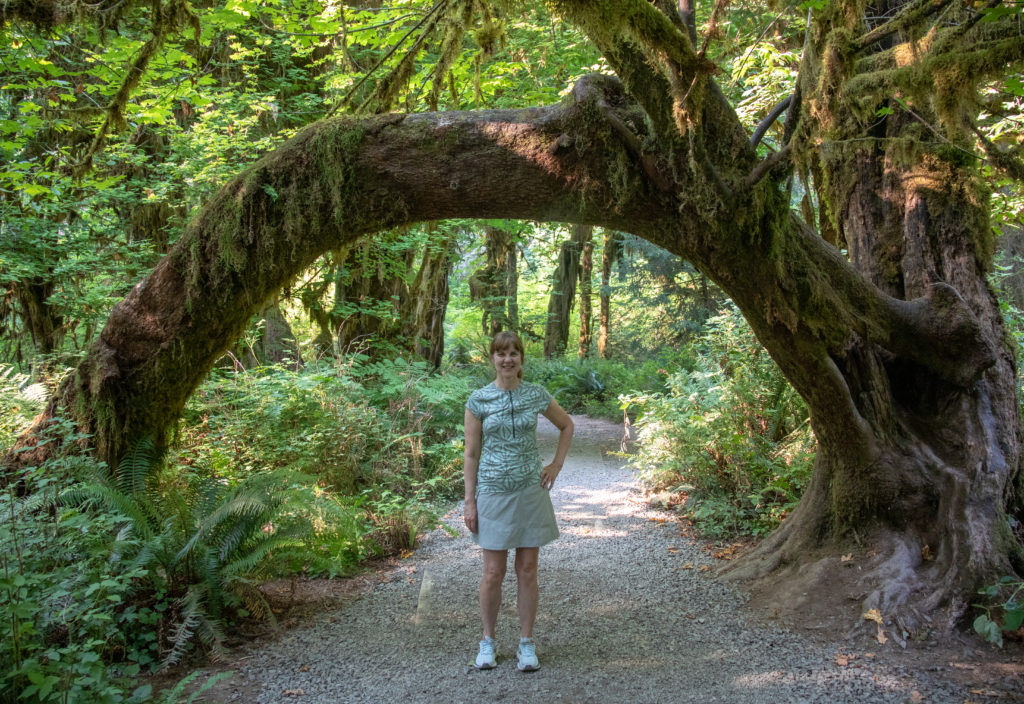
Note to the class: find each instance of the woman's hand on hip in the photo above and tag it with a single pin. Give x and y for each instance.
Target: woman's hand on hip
(548, 475)
(470, 517)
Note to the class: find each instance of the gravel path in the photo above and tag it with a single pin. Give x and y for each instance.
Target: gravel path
(622, 619)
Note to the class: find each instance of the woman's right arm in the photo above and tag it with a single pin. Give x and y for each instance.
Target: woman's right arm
(470, 465)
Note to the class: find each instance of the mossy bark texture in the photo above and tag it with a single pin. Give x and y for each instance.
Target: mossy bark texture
(898, 348)
(563, 291)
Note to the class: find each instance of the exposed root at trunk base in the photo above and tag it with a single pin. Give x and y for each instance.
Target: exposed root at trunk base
(886, 587)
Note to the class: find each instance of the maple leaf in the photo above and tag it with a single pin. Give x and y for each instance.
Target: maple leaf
(880, 636)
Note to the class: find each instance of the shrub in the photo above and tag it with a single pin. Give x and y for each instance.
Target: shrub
(593, 386)
(69, 630)
(731, 434)
(1004, 612)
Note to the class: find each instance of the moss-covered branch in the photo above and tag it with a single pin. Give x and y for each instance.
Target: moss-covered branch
(334, 182)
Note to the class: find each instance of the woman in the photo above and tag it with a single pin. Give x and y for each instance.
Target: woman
(508, 504)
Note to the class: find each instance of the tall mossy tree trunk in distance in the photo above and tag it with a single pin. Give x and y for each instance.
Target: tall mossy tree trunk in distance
(424, 308)
(586, 307)
(43, 321)
(368, 295)
(495, 286)
(609, 255)
(563, 291)
(897, 348)
(274, 342)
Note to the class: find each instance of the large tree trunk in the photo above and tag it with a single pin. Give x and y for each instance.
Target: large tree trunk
(609, 255)
(563, 292)
(586, 308)
(900, 354)
(919, 430)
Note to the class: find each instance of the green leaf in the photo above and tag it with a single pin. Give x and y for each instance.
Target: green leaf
(1013, 620)
(34, 189)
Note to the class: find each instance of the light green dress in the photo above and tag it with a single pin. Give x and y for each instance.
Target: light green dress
(513, 509)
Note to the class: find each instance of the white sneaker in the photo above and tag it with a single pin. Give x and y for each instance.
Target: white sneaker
(527, 655)
(485, 658)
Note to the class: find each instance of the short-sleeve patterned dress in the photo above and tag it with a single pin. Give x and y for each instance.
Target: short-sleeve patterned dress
(513, 509)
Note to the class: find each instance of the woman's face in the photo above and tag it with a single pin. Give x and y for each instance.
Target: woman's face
(507, 363)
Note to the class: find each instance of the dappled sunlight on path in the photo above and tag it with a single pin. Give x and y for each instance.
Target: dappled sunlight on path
(626, 615)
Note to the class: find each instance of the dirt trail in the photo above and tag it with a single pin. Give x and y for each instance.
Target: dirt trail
(627, 615)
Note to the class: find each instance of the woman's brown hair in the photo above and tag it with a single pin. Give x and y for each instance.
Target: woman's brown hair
(506, 339)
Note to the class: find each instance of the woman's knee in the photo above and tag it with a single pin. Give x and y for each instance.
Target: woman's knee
(526, 566)
(494, 569)
(494, 574)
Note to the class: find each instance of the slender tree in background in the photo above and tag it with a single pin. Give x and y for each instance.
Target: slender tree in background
(586, 308)
(563, 291)
(609, 254)
(898, 347)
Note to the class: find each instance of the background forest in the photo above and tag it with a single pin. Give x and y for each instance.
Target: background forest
(330, 433)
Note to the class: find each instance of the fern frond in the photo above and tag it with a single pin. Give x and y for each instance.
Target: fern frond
(182, 632)
(137, 466)
(240, 504)
(128, 506)
(254, 600)
(246, 563)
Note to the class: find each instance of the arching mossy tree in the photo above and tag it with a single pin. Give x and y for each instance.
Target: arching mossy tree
(897, 347)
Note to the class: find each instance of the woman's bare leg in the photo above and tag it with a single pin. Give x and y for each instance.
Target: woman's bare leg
(528, 592)
(495, 562)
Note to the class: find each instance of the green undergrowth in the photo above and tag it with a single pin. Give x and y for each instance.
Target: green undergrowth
(111, 574)
(1004, 609)
(729, 436)
(593, 386)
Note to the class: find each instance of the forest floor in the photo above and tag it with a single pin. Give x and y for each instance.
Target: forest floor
(631, 611)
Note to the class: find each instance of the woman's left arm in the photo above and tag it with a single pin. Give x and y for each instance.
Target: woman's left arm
(563, 422)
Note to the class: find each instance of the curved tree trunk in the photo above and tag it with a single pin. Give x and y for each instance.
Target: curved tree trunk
(332, 183)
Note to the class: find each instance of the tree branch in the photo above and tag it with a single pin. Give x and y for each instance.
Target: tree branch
(769, 119)
(764, 166)
(1009, 162)
(335, 181)
(910, 14)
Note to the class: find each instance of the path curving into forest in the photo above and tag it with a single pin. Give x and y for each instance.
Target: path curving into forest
(622, 619)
